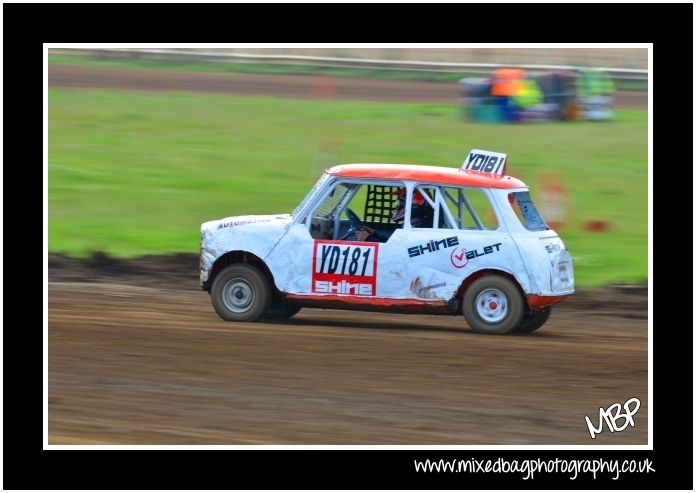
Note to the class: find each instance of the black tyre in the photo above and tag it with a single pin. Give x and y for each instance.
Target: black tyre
(241, 293)
(532, 321)
(493, 305)
(281, 312)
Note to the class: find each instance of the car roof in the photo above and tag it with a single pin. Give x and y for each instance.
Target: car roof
(429, 174)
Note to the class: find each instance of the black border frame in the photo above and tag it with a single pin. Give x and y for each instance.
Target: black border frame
(27, 26)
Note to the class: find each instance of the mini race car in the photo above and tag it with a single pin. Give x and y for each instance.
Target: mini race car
(393, 237)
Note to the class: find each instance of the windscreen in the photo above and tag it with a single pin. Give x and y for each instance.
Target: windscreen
(305, 202)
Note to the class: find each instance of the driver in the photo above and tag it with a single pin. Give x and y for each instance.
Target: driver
(421, 216)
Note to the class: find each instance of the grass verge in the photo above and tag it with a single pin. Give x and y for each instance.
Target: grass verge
(136, 173)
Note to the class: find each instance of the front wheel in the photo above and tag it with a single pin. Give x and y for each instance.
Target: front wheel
(241, 293)
(534, 320)
(493, 305)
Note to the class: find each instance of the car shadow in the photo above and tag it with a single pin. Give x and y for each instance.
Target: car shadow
(391, 326)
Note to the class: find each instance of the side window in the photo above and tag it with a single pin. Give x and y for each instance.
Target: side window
(422, 211)
(443, 211)
(380, 202)
(358, 212)
(470, 208)
(452, 208)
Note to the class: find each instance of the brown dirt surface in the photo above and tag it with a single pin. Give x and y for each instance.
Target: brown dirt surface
(287, 86)
(136, 355)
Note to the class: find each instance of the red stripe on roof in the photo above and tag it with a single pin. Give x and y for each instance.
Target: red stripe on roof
(427, 174)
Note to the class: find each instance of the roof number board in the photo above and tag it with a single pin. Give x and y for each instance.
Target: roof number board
(485, 162)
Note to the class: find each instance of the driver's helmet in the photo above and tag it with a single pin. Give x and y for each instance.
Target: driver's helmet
(420, 209)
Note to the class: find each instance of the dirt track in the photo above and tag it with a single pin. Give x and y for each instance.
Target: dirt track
(130, 364)
(291, 86)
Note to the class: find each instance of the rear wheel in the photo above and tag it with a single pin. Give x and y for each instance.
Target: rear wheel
(534, 320)
(493, 305)
(240, 293)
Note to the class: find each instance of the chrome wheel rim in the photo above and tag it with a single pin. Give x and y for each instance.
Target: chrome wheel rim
(238, 295)
(492, 305)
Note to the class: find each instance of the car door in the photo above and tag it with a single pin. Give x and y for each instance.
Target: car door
(425, 248)
(461, 239)
(312, 258)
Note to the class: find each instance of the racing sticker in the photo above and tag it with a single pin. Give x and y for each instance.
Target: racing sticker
(460, 256)
(345, 267)
(433, 246)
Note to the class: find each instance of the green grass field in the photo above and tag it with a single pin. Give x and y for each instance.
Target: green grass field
(136, 173)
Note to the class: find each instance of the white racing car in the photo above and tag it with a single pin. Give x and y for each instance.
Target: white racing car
(391, 237)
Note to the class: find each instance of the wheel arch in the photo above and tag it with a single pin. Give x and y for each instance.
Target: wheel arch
(485, 272)
(238, 257)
